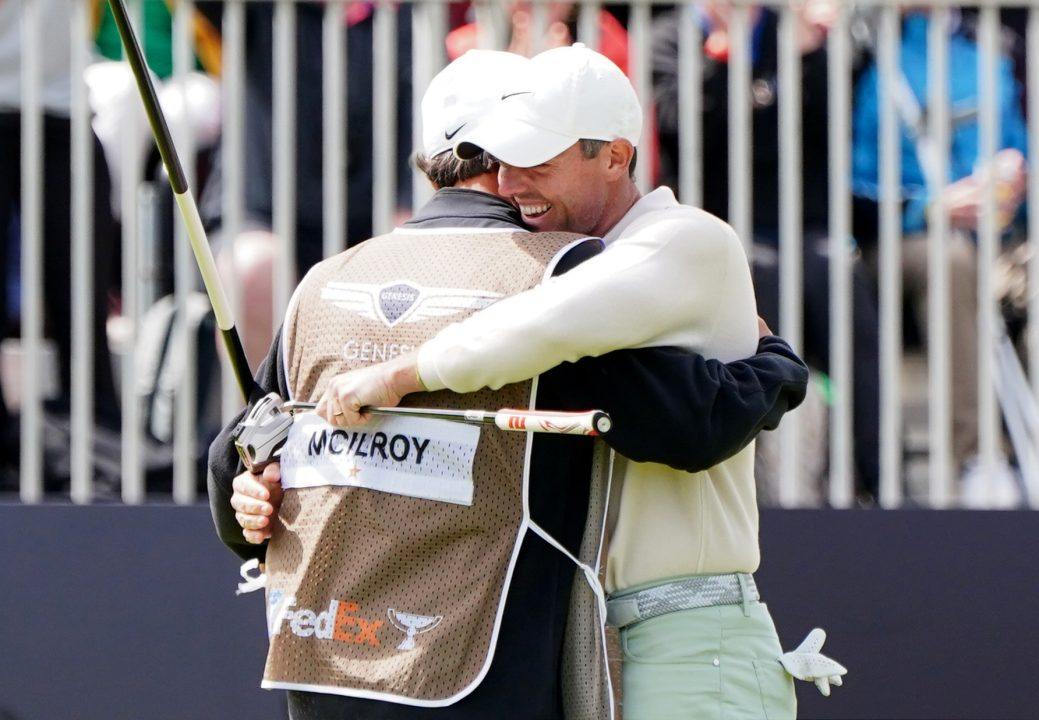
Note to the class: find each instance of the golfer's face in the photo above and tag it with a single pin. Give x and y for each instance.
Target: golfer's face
(566, 193)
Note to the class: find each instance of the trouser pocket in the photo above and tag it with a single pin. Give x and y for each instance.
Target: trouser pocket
(670, 673)
(671, 691)
(776, 687)
(707, 664)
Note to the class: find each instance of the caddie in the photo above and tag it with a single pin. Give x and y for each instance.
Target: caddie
(394, 547)
(697, 641)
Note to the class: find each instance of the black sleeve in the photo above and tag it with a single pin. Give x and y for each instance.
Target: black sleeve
(224, 463)
(674, 407)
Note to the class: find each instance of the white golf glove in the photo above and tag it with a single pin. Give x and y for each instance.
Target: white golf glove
(807, 663)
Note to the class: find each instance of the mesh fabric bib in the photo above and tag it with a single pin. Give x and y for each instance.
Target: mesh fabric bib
(385, 594)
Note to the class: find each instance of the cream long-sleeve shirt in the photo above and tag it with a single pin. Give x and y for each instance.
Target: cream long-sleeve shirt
(670, 275)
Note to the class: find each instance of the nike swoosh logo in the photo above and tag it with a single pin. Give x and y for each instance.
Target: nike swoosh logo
(525, 92)
(448, 136)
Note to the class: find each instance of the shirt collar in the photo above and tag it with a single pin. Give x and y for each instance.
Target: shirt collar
(660, 199)
(464, 208)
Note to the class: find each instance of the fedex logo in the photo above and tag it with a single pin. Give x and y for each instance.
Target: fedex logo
(340, 621)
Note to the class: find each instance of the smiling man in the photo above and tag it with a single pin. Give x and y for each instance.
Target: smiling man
(387, 577)
(697, 640)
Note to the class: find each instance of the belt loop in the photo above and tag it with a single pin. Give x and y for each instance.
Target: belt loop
(744, 593)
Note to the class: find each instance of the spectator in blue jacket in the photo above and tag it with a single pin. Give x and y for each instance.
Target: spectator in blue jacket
(961, 198)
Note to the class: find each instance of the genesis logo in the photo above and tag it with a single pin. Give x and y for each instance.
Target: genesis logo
(525, 92)
(401, 301)
(396, 300)
(448, 136)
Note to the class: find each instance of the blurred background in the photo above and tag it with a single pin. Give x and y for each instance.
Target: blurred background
(874, 157)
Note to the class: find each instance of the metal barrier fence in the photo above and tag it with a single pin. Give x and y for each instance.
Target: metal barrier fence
(429, 19)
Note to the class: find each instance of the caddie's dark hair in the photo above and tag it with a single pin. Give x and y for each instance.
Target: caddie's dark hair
(445, 170)
(591, 149)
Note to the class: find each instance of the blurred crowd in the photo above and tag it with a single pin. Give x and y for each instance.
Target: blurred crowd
(247, 258)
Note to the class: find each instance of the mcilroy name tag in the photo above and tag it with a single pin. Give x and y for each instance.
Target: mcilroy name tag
(417, 457)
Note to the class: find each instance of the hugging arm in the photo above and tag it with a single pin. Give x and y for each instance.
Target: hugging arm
(677, 408)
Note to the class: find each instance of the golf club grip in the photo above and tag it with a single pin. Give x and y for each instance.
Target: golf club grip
(590, 422)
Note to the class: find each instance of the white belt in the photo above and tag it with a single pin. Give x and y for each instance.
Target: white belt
(693, 592)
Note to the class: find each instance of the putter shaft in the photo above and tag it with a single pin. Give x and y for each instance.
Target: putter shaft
(590, 422)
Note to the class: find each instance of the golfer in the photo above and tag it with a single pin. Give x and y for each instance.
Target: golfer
(354, 534)
(697, 641)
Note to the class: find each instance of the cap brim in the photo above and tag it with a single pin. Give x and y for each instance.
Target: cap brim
(513, 142)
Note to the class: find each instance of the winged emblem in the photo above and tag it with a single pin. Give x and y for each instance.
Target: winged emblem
(401, 301)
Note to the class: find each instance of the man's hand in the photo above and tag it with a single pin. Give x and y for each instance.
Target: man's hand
(256, 500)
(379, 385)
(963, 199)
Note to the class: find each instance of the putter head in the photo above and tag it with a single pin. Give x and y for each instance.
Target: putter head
(261, 434)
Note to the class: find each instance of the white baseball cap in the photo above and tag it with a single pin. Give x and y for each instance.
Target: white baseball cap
(463, 92)
(567, 94)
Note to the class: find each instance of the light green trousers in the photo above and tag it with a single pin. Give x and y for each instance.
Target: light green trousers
(714, 663)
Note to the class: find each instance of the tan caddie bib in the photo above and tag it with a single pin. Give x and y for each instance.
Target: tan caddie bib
(390, 562)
